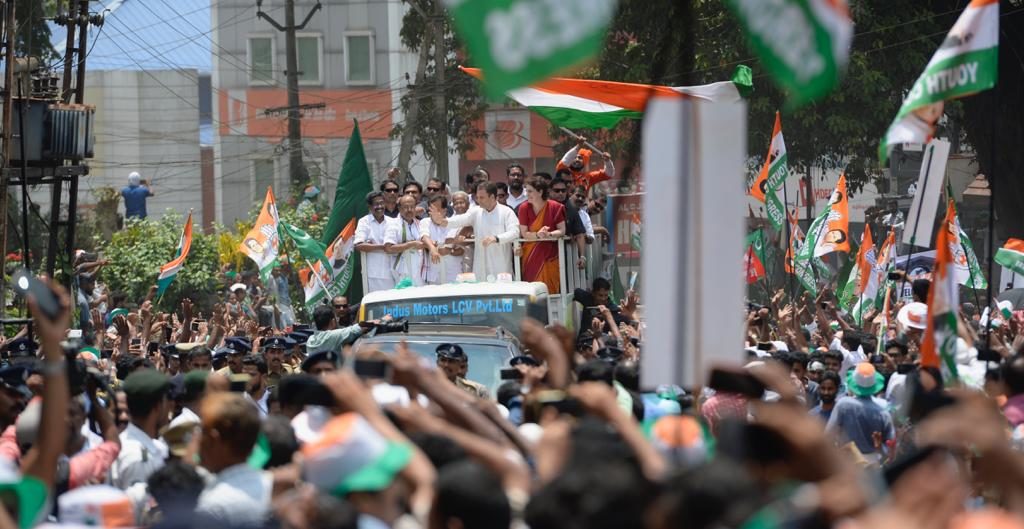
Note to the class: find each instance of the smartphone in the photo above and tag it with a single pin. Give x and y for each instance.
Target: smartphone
(25, 283)
(736, 381)
(765, 346)
(376, 369)
(106, 353)
(988, 355)
(511, 374)
(152, 347)
(894, 276)
(877, 359)
(195, 325)
(905, 369)
(74, 334)
(135, 343)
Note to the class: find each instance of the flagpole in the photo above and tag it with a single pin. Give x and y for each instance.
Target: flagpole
(785, 262)
(917, 217)
(991, 208)
(313, 273)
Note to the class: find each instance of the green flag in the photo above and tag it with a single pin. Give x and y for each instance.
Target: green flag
(354, 183)
(519, 42)
(309, 248)
(804, 44)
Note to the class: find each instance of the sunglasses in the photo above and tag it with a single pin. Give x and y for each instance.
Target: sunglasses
(433, 189)
(391, 190)
(342, 306)
(558, 190)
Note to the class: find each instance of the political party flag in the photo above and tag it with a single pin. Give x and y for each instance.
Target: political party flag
(796, 239)
(310, 249)
(518, 42)
(1011, 255)
(593, 104)
(805, 258)
(863, 265)
(883, 319)
(338, 275)
(772, 176)
(804, 44)
(939, 346)
(635, 238)
(965, 262)
(262, 244)
(754, 256)
(354, 184)
(170, 270)
(966, 62)
(833, 236)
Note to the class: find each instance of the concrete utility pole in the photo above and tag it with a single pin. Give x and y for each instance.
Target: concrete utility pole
(296, 169)
(440, 101)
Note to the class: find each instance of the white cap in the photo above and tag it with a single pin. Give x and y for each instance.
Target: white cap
(134, 178)
(914, 315)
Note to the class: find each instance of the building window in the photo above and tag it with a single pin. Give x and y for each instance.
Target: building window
(310, 58)
(261, 60)
(263, 174)
(359, 58)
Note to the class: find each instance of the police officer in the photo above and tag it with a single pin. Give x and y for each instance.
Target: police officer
(453, 361)
(238, 347)
(274, 349)
(321, 362)
(21, 352)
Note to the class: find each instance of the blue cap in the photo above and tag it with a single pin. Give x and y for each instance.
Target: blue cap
(523, 360)
(222, 353)
(16, 378)
(321, 356)
(238, 345)
(298, 338)
(23, 346)
(276, 342)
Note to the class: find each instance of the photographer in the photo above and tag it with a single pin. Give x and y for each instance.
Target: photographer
(329, 337)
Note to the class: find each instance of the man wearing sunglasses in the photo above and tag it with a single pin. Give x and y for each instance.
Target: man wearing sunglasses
(574, 227)
(342, 310)
(391, 192)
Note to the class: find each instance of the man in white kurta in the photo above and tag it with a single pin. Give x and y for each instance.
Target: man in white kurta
(434, 236)
(495, 227)
(369, 240)
(402, 240)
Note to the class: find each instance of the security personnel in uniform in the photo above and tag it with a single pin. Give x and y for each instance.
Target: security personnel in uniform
(321, 362)
(21, 352)
(274, 349)
(453, 361)
(238, 348)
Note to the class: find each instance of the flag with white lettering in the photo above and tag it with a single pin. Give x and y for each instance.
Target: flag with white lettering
(519, 42)
(966, 62)
(336, 277)
(804, 44)
(773, 176)
(938, 349)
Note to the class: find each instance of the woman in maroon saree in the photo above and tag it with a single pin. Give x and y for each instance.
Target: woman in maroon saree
(542, 220)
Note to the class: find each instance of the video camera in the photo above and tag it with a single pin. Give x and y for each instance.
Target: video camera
(385, 327)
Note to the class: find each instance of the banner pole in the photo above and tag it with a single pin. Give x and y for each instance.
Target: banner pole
(319, 281)
(991, 207)
(917, 217)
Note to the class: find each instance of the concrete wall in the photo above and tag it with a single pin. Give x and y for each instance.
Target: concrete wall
(146, 122)
(242, 141)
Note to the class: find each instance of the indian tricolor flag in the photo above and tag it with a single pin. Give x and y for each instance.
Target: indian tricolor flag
(939, 346)
(169, 270)
(592, 104)
(966, 62)
(1011, 255)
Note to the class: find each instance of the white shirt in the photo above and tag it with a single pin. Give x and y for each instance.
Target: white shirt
(410, 262)
(261, 404)
(238, 494)
(185, 416)
(140, 456)
(500, 222)
(514, 201)
(587, 225)
(450, 265)
(378, 264)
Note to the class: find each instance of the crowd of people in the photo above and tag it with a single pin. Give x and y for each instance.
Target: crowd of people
(430, 237)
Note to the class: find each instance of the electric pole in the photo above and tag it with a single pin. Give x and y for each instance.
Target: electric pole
(440, 102)
(296, 169)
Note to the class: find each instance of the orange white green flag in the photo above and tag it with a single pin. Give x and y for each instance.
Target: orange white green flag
(170, 270)
(833, 235)
(334, 279)
(966, 62)
(593, 104)
(1011, 255)
(939, 346)
(262, 243)
(773, 176)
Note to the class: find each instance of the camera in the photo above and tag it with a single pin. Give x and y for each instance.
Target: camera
(392, 326)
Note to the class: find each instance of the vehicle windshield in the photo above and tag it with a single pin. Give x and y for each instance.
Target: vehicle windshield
(485, 360)
(506, 311)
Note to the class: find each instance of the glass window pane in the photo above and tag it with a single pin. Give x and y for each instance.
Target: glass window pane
(263, 176)
(359, 57)
(309, 58)
(261, 60)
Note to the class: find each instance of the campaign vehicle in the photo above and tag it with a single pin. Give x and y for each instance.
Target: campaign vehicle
(488, 348)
